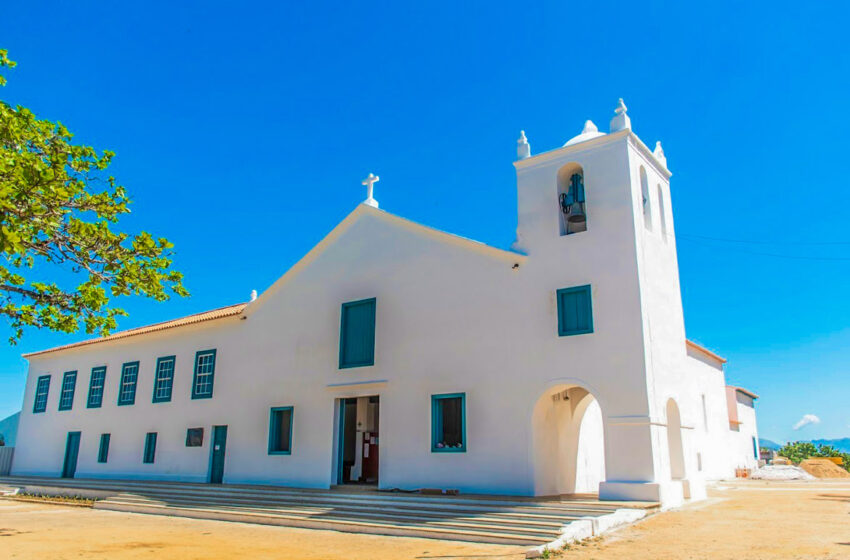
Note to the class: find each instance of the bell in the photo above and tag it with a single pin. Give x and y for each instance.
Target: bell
(577, 218)
(577, 215)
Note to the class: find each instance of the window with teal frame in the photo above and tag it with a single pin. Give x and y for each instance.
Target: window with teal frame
(69, 386)
(575, 311)
(150, 447)
(129, 378)
(164, 379)
(202, 384)
(280, 430)
(357, 334)
(96, 384)
(103, 450)
(448, 423)
(42, 388)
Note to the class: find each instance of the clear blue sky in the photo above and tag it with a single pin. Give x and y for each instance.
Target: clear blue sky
(243, 134)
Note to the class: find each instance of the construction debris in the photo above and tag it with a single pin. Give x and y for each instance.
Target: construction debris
(781, 472)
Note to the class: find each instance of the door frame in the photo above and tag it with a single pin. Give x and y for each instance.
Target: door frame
(75, 436)
(339, 433)
(212, 454)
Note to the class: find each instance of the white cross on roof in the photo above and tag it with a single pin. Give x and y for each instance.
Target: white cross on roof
(370, 186)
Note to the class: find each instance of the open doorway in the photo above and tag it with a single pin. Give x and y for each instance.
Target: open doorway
(357, 459)
(569, 447)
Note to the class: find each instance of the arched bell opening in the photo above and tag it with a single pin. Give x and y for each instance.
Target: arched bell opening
(645, 200)
(568, 444)
(674, 441)
(572, 203)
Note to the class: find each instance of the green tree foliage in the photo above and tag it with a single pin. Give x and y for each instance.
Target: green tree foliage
(58, 208)
(799, 451)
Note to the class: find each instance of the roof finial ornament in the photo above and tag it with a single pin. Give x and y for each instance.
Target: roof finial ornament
(523, 148)
(621, 120)
(658, 152)
(589, 127)
(369, 182)
(253, 295)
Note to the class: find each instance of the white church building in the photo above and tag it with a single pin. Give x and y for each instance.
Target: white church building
(402, 356)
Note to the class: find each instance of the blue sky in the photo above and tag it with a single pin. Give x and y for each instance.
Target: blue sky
(243, 134)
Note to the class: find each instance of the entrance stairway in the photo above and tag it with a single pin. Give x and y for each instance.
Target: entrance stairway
(486, 519)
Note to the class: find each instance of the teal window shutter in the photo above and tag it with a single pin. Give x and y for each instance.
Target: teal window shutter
(69, 385)
(42, 388)
(202, 383)
(164, 379)
(150, 447)
(96, 383)
(129, 378)
(448, 423)
(357, 334)
(103, 451)
(575, 311)
(280, 430)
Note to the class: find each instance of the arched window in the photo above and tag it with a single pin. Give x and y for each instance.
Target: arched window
(647, 204)
(571, 200)
(662, 214)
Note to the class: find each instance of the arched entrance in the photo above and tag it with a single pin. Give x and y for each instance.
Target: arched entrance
(568, 445)
(674, 441)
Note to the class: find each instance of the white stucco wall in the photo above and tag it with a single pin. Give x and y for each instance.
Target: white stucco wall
(452, 317)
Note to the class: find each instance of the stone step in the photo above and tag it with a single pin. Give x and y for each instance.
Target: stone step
(504, 523)
(490, 513)
(333, 501)
(340, 524)
(490, 519)
(530, 504)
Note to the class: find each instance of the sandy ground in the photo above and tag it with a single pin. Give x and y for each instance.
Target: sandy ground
(742, 520)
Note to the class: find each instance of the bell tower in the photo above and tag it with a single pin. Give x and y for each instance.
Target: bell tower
(596, 213)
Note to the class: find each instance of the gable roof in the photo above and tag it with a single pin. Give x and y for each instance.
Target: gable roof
(363, 210)
(219, 313)
(344, 225)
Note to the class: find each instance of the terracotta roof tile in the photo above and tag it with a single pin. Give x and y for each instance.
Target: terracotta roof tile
(704, 350)
(219, 313)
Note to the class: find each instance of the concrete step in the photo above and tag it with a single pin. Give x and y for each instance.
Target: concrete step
(517, 517)
(490, 519)
(505, 523)
(395, 528)
(374, 497)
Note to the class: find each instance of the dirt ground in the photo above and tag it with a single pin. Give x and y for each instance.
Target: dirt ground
(742, 520)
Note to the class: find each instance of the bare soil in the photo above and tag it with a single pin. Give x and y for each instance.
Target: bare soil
(823, 468)
(744, 520)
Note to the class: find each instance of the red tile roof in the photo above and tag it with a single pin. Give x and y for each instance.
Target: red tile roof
(705, 351)
(214, 314)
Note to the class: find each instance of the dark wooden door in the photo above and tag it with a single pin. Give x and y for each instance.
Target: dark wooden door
(219, 442)
(72, 451)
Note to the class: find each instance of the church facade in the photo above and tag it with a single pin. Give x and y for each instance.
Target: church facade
(399, 355)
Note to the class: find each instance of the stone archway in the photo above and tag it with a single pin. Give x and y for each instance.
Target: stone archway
(568, 442)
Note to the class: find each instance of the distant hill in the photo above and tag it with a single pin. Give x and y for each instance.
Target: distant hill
(767, 444)
(9, 428)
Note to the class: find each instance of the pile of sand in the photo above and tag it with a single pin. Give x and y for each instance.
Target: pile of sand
(781, 472)
(823, 468)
